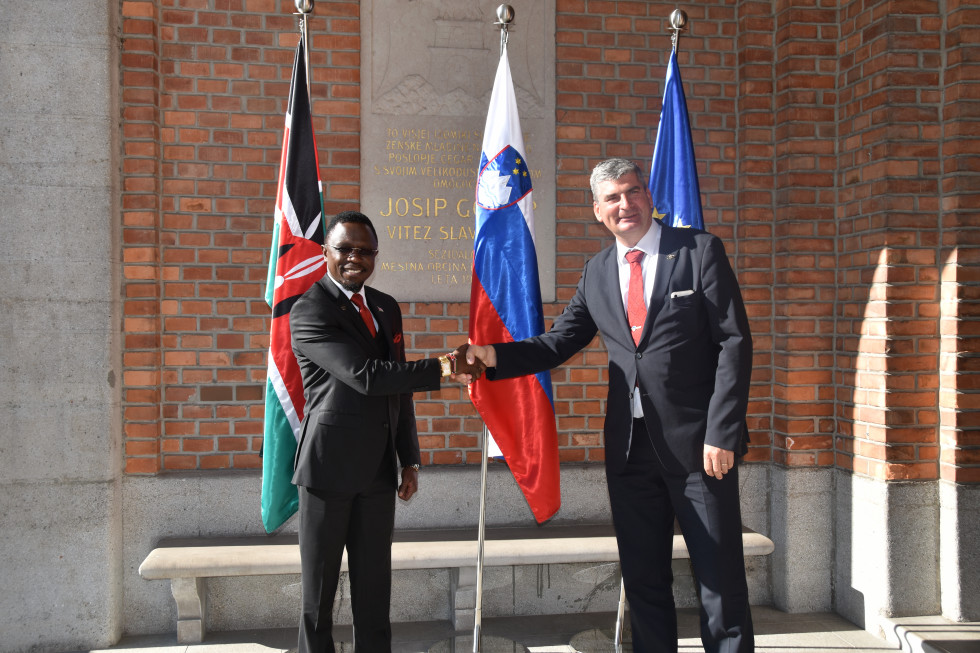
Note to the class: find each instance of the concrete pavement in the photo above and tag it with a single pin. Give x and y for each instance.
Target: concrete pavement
(776, 632)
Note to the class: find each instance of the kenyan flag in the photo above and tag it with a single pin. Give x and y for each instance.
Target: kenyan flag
(295, 263)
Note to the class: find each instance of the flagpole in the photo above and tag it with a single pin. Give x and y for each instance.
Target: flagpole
(505, 16)
(481, 533)
(620, 617)
(678, 23)
(303, 9)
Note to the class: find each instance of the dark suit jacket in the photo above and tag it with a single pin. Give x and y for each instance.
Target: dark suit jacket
(693, 363)
(357, 388)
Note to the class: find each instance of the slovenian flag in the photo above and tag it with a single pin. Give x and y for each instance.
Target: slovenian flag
(505, 303)
(295, 263)
(673, 173)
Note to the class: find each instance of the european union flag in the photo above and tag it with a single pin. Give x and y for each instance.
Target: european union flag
(673, 174)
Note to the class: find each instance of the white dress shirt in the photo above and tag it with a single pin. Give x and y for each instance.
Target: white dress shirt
(649, 244)
(350, 294)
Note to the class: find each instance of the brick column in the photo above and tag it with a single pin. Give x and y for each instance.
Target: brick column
(959, 362)
(803, 294)
(960, 371)
(755, 200)
(890, 137)
(804, 239)
(890, 151)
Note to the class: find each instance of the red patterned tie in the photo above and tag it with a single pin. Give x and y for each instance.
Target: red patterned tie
(636, 308)
(365, 313)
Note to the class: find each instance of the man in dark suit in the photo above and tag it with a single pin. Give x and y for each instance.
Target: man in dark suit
(359, 425)
(670, 312)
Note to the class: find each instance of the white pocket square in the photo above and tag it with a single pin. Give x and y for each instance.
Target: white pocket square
(681, 293)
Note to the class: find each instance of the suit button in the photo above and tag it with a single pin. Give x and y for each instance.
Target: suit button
(385, 425)
(639, 355)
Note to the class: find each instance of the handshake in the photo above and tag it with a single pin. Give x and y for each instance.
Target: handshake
(471, 361)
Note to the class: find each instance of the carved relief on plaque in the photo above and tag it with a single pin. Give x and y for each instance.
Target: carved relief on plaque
(443, 65)
(427, 73)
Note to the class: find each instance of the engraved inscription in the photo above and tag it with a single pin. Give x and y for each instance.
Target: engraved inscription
(427, 72)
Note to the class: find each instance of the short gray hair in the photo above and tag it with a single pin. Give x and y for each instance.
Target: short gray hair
(612, 169)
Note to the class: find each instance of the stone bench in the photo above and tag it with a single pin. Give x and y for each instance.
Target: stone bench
(188, 563)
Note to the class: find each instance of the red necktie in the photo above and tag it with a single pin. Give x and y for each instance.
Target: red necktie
(636, 308)
(365, 313)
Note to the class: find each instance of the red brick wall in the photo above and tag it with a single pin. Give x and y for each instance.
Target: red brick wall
(819, 133)
(141, 116)
(611, 58)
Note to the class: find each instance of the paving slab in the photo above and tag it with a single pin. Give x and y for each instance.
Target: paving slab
(776, 632)
(935, 634)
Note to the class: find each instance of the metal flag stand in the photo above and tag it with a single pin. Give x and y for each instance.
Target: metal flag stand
(505, 16)
(678, 23)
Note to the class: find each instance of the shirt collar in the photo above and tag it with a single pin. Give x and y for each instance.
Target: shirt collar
(347, 293)
(649, 244)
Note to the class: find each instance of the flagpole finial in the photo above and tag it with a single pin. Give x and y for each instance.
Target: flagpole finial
(505, 16)
(678, 23)
(304, 6)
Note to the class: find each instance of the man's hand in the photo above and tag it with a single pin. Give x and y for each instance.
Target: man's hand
(485, 353)
(467, 369)
(410, 483)
(718, 462)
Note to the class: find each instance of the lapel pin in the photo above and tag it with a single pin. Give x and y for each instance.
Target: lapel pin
(670, 256)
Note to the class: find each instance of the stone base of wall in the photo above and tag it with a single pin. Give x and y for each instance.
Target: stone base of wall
(227, 504)
(59, 561)
(887, 550)
(959, 533)
(801, 501)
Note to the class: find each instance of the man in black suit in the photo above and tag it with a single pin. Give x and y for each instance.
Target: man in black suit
(359, 424)
(670, 312)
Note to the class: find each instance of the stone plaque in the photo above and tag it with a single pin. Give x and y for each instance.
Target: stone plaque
(427, 71)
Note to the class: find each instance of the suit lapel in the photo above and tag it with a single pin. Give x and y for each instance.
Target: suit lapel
(666, 258)
(349, 312)
(384, 322)
(613, 295)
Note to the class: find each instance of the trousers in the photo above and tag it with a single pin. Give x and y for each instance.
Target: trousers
(645, 499)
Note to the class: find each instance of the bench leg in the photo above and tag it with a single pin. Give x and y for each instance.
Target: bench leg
(462, 597)
(191, 597)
